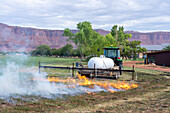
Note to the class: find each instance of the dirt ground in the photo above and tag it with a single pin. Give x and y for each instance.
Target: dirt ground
(140, 64)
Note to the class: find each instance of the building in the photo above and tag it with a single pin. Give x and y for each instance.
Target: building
(159, 58)
(151, 48)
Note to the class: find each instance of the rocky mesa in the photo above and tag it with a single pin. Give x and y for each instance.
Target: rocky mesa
(152, 38)
(14, 38)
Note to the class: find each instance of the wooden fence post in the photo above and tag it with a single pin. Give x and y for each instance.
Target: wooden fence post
(120, 68)
(73, 70)
(133, 73)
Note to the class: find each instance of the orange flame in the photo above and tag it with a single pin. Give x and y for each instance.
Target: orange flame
(83, 81)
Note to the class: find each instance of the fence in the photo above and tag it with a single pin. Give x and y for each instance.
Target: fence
(94, 71)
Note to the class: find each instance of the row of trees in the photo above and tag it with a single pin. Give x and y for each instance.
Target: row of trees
(89, 42)
(44, 50)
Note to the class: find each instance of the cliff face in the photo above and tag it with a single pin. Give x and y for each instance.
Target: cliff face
(154, 38)
(27, 39)
(14, 38)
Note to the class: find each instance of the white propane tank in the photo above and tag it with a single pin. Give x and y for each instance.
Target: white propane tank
(101, 62)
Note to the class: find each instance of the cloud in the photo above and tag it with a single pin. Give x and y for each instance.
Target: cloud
(59, 14)
(144, 24)
(91, 4)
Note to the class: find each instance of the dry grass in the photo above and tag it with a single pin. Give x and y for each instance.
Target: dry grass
(152, 95)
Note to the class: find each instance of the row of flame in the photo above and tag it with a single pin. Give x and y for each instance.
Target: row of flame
(83, 81)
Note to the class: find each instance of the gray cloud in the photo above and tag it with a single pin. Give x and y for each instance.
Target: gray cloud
(140, 15)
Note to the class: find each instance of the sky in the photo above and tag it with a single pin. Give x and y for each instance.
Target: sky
(136, 15)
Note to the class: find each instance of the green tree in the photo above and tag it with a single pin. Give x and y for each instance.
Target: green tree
(127, 52)
(67, 50)
(121, 40)
(97, 46)
(76, 52)
(119, 35)
(135, 47)
(42, 50)
(110, 40)
(142, 50)
(128, 48)
(131, 48)
(33, 53)
(166, 48)
(84, 38)
(54, 52)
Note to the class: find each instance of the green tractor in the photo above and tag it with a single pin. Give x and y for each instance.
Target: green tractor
(99, 63)
(114, 54)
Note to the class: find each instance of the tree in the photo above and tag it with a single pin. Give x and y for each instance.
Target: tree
(128, 48)
(54, 52)
(131, 48)
(67, 50)
(76, 52)
(97, 46)
(84, 38)
(121, 40)
(91, 43)
(166, 48)
(110, 40)
(135, 47)
(143, 50)
(127, 51)
(42, 50)
(120, 35)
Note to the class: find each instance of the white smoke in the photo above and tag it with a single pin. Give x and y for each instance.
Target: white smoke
(17, 80)
(9, 80)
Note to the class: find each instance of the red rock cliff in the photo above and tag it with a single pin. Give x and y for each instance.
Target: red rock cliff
(14, 38)
(153, 38)
(26, 39)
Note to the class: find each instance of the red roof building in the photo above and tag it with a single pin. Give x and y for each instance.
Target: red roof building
(159, 58)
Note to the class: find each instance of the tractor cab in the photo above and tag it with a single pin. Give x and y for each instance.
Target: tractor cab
(114, 54)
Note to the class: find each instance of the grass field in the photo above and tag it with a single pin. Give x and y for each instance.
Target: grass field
(152, 95)
(34, 61)
(138, 59)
